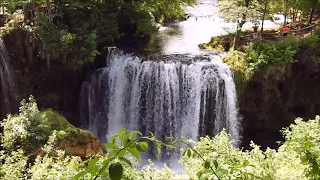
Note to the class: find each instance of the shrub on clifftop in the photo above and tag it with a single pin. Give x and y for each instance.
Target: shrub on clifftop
(31, 130)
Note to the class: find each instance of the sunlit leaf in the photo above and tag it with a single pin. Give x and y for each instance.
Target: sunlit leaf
(135, 132)
(143, 146)
(92, 164)
(134, 152)
(80, 175)
(122, 132)
(158, 152)
(111, 153)
(199, 174)
(184, 152)
(113, 138)
(122, 153)
(246, 163)
(110, 146)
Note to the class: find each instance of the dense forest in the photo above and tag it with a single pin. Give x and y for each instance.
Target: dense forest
(275, 74)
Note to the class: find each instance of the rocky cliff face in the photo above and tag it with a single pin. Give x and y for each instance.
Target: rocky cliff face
(55, 86)
(278, 94)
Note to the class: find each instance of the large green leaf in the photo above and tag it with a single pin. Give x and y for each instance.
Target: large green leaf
(134, 152)
(115, 171)
(79, 175)
(111, 146)
(92, 164)
(122, 132)
(142, 146)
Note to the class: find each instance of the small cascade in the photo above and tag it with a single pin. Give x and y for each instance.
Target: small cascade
(167, 98)
(8, 92)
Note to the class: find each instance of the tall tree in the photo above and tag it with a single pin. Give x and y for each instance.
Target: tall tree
(264, 6)
(238, 11)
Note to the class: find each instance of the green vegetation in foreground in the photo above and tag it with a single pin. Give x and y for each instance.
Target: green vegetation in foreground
(77, 31)
(209, 158)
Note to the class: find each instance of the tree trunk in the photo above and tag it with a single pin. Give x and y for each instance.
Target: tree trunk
(238, 32)
(263, 16)
(311, 16)
(285, 12)
(292, 15)
(49, 11)
(239, 27)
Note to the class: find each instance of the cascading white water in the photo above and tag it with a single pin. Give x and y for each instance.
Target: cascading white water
(7, 84)
(168, 98)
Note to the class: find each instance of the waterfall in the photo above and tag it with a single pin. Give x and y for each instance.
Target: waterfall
(167, 98)
(8, 91)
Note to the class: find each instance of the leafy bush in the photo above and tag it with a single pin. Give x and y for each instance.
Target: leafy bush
(297, 158)
(32, 128)
(14, 166)
(22, 131)
(55, 167)
(259, 54)
(60, 44)
(310, 42)
(303, 138)
(120, 146)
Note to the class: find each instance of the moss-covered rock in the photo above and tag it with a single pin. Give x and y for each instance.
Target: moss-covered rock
(81, 143)
(218, 43)
(52, 120)
(75, 141)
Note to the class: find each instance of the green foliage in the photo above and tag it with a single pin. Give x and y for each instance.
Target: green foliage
(31, 128)
(13, 4)
(239, 9)
(58, 43)
(303, 138)
(310, 42)
(297, 158)
(55, 167)
(75, 32)
(19, 131)
(51, 120)
(209, 158)
(122, 144)
(259, 54)
(14, 166)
